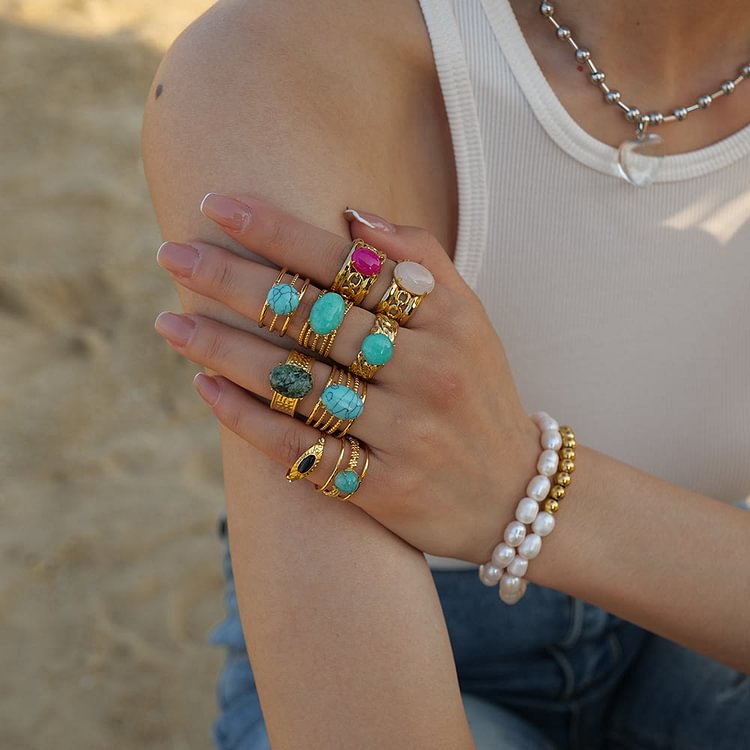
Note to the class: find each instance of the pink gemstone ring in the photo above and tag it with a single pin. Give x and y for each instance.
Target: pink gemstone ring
(359, 271)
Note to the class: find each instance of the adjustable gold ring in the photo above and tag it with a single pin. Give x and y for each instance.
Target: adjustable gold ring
(359, 271)
(341, 402)
(291, 381)
(377, 347)
(282, 300)
(412, 282)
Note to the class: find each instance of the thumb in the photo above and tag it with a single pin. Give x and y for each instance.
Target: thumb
(402, 242)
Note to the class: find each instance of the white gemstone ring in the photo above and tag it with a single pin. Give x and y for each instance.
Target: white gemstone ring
(412, 282)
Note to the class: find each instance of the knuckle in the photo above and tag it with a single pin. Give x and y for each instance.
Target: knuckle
(214, 348)
(289, 445)
(223, 278)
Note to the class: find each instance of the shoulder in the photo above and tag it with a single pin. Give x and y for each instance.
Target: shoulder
(254, 87)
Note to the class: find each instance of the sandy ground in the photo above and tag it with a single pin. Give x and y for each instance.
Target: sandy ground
(110, 481)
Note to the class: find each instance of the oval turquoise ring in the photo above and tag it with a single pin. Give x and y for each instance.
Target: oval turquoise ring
(377, 347)
(282, 300)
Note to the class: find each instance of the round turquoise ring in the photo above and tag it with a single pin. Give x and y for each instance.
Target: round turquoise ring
(377, 347)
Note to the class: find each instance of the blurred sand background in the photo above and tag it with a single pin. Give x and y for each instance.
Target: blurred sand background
(110, 481)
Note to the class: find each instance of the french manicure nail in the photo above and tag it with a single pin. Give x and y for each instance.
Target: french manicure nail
(177, 328)
(228, 212)
(176, 258)
(207, 387)
(370, 220)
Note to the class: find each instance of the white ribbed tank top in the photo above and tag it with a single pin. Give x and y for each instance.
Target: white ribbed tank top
(624, 311)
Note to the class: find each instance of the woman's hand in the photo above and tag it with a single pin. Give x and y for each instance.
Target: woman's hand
(451, 449)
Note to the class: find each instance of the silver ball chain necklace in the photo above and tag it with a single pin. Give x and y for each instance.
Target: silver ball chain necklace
(635, 160)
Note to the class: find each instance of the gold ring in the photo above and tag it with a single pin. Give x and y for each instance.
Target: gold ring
(342, 484)
(359, 271)
(325, 319)
(291, 381)
(377, 348)
(308, 461)
(412, 282)
(341, 402)
(283, 300)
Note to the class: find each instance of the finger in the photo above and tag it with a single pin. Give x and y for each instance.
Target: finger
(306, 249)
(400, 242)
(247, 360)
(243, 285)
(282, 439)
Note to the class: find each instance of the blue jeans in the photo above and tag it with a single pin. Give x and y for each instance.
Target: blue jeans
(550, 673)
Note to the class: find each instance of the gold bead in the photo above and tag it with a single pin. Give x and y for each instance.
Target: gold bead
(557, 492)
(569, 453)
(551, 506)
(565, 430)
(568, 466)
(569, 441)
(563, 479)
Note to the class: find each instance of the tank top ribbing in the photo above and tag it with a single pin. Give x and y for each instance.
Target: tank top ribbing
(623, 311)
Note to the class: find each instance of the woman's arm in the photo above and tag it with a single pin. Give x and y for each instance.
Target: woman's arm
(671, 560)
(342, 621)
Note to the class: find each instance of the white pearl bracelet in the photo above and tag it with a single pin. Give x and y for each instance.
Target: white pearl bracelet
(510, 559)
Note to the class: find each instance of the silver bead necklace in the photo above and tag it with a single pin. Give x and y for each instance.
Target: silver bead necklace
(634, 162)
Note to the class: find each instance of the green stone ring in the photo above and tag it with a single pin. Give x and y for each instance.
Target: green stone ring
(377, 347)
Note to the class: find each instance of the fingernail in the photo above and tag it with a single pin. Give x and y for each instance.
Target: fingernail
(177, 328)
(207, 387)
(228, 212)
(369, 220)
(178, 259)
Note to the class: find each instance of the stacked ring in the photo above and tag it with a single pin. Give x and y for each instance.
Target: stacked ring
(412, 282)
(326, 316)
(377, 347)
(291, 381)
(308, 461)
(359, 271)
(342, 484)
(341, 402)
(283, 300)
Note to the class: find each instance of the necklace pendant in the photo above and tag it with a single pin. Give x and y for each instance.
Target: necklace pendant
(636, 160)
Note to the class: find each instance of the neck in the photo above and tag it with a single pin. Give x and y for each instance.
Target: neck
(683, 48)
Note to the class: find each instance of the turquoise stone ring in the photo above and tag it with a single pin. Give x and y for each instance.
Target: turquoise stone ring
(342, 402)
(282, 299)
(327, 313)
(346, 482)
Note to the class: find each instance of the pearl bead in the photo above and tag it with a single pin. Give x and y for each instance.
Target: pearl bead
(518, 566)
(530, 547)
(510, 584)
(513, 598)
(547, 464)
(515, 533)
(538, 487)
(547, 423)
(543, 523)
(551, 440)
(527, 510)
(502, 555)
(537, 416)
(489, 574)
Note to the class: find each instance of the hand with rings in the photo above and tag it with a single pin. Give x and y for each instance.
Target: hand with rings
(396, 395)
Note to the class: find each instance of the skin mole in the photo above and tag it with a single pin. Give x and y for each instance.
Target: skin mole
(159, 89)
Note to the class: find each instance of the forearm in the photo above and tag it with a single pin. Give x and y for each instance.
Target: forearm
(671, 560)
(342, 621)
